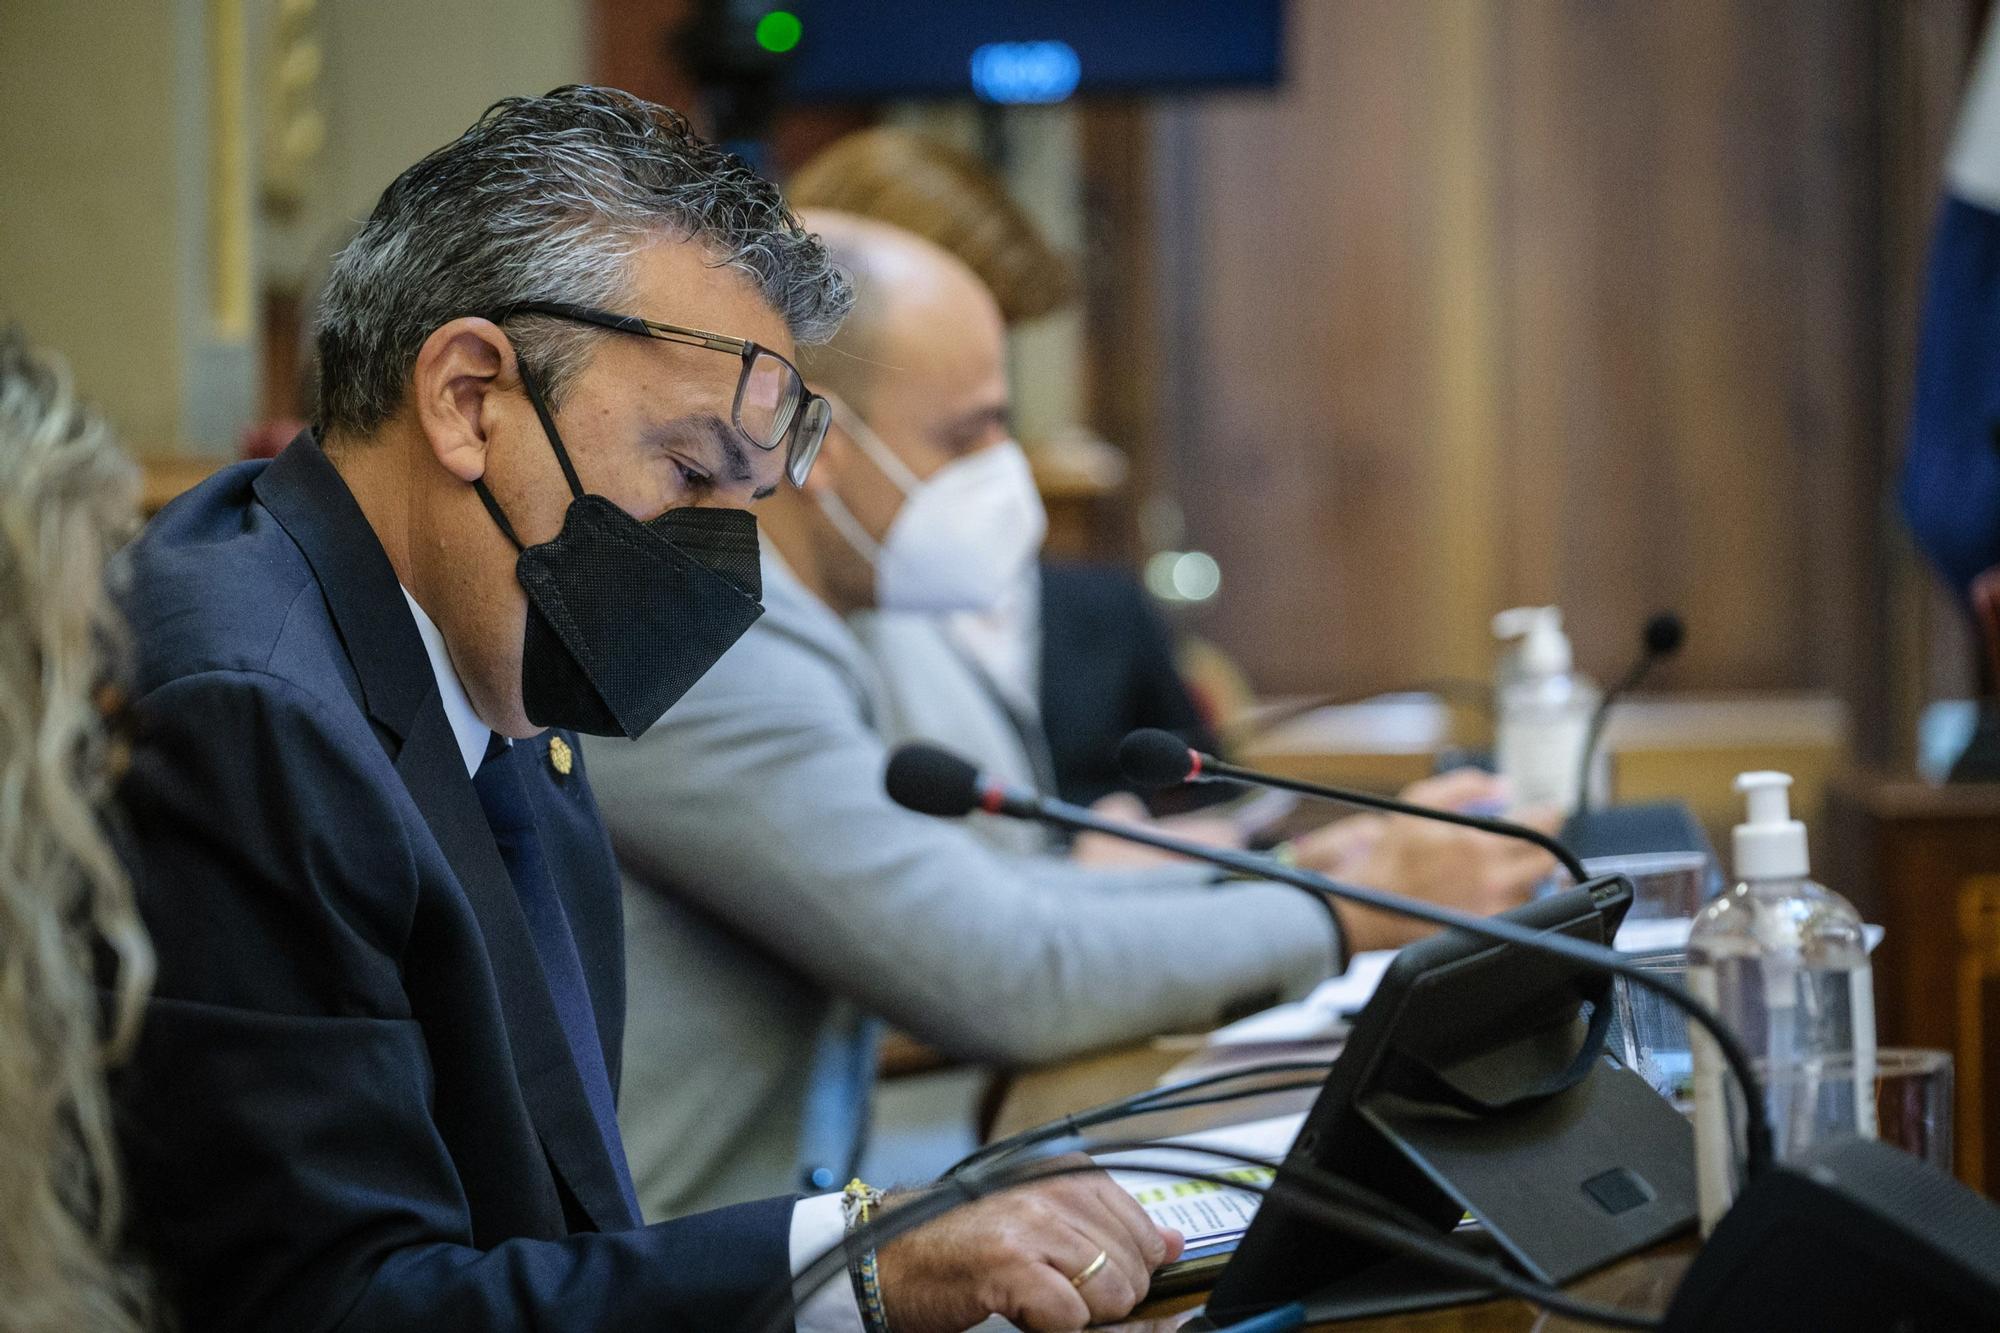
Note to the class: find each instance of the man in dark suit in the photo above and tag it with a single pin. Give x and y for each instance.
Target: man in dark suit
(376, 1086)
(1107, 669)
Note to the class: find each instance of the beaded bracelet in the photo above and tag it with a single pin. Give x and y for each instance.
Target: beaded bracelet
(860, 1202)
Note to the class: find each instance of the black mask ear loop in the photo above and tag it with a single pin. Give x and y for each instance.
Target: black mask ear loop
(555, 442)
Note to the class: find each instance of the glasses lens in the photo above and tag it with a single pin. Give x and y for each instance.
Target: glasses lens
(770, 398)
(812, 434)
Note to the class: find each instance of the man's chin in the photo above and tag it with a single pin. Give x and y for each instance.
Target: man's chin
(516, 727)
(503, 712)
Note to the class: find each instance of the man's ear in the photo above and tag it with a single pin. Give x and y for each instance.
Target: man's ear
(459, 370)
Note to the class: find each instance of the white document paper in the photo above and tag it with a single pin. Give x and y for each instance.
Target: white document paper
(1318, 1016)
(1203, 1211)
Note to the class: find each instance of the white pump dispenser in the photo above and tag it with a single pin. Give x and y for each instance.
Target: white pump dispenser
(1784, 963)
(1544, 649)
(1542, 710)
(1770, 844)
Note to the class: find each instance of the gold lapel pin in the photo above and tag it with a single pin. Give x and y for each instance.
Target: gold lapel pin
(561, 758)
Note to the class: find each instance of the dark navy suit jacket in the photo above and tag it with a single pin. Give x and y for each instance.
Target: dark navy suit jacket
(352, 1106)
(1108, 668)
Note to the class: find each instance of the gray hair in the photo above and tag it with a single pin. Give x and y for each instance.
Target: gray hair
(67, 499)
(545, 199)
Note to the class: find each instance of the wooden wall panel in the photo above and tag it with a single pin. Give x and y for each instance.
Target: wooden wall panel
(631, 47)
(1297, 304)
(1503, 301)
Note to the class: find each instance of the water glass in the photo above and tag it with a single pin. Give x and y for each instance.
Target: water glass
(1652, 1035)
(1913, 1097)
(1665, 885)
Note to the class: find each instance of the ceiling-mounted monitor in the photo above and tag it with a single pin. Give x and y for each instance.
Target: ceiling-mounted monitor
(1020, 51)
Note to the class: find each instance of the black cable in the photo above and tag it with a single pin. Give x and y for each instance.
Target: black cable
(1045, 1133)
(774, 1313)
(1381, 1205)
(1134, 1106)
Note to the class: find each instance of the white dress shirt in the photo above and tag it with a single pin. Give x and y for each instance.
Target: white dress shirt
(817, 1222)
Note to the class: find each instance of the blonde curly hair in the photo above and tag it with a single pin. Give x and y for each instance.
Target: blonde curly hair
(68, 499)
(949, 198)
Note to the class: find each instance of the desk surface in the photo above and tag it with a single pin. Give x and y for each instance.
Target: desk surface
(1644, 1283)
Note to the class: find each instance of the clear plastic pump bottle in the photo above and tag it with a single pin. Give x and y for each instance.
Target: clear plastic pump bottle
(1543, 710)
(1784, 962)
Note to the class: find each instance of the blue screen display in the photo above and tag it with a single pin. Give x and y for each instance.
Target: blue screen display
(1027, 50)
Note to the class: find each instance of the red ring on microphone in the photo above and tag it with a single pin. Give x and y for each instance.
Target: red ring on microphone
(992, 798)
(1194, 766)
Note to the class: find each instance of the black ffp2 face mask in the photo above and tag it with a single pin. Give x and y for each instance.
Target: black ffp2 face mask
(625, 616)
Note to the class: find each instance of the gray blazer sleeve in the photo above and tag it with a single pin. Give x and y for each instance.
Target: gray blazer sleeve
(759, 799)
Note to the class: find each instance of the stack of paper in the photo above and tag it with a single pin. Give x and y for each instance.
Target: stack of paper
(1204, 1212)
(1322, 1014)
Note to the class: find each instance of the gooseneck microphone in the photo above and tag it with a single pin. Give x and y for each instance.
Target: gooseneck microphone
(1663, 636)
(934, 781)
(1150, 757)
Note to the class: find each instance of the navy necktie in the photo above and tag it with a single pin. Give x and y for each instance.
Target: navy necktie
(504, 796)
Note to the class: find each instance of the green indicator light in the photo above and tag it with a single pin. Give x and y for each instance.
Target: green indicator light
(779, 31)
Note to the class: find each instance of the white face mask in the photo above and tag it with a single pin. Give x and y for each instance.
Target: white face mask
(963, 536)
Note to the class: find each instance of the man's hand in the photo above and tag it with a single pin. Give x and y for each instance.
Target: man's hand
(1014, 1255)
(1481, 873)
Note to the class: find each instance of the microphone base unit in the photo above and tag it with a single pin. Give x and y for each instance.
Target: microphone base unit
(1855, 1237)
(1538, 1186)
(1636, 829)
(1473, 1084)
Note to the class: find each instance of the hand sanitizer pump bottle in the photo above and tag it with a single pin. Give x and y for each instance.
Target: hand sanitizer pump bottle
(1784, 963)
(1543, 710)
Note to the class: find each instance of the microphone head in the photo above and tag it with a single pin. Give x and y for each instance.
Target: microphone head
(1665, 633)
(932, 781)
(1150, 757)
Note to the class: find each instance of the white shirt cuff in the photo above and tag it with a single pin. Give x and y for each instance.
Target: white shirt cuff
(817, 1226)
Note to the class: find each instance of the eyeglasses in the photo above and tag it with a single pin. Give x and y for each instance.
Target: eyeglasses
(773, 405)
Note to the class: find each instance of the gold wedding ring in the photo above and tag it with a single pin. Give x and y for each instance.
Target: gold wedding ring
(1091, 1269)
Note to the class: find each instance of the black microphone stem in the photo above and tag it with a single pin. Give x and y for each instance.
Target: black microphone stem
(1664, 635)
(1212, 767)
(1595, 956)
(1595, 736)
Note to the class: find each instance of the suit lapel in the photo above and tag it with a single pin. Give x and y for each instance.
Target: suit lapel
(574, 837)
(433, 768)
(306, 495)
